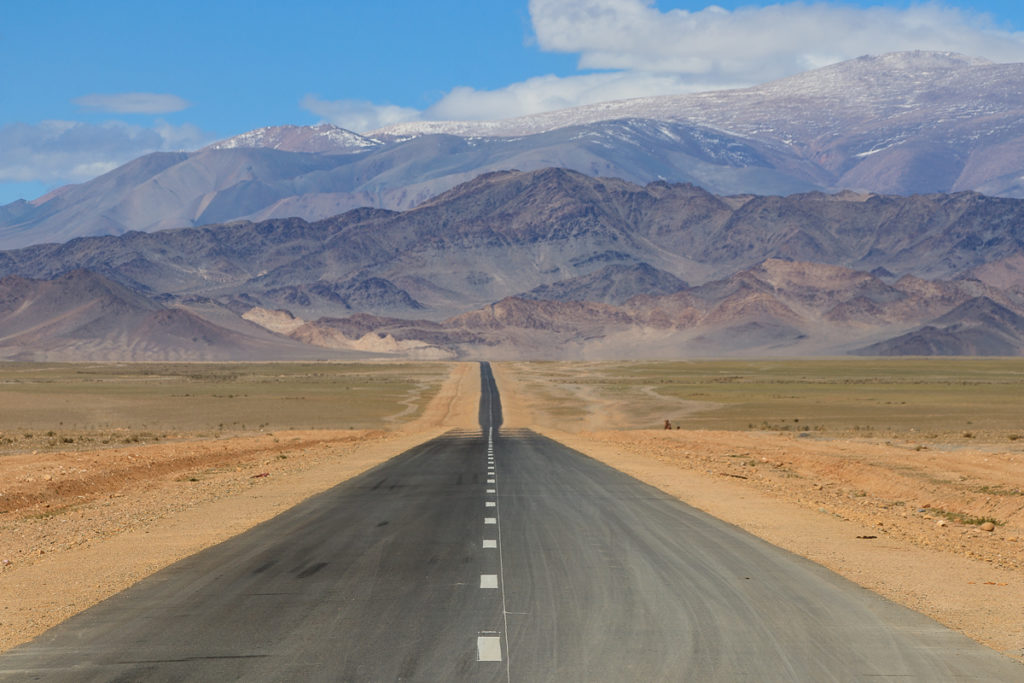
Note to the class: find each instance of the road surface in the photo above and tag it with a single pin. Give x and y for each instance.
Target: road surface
(498, 556)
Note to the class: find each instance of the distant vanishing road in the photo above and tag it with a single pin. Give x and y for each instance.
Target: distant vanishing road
(498, 556)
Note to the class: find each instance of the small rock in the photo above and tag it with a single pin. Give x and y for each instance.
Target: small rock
(47, 477)
(988, 526)
(941, 522)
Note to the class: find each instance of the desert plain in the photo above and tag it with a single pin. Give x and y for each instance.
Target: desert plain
(904, 476)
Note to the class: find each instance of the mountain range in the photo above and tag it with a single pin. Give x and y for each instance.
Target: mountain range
(542, 264)
(897, 124)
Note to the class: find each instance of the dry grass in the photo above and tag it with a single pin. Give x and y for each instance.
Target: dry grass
(49, 407)
(921, 399)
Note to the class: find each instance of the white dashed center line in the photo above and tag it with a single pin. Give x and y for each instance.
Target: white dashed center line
(488, 649)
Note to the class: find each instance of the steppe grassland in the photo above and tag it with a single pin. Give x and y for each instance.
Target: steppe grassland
(916, 398)
(89, 405)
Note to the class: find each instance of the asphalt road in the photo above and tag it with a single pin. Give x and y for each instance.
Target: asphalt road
(494, 556)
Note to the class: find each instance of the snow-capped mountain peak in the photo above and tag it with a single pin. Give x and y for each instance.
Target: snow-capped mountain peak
(323, 138)
(864, 84)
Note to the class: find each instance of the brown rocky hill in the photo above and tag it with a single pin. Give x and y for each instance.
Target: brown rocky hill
(775, 308)
(550, 263)
(977, 327)
(509, 233)
(84, 316)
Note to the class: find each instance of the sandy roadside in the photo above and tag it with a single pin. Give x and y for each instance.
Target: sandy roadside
(965, 578)
(57, 561)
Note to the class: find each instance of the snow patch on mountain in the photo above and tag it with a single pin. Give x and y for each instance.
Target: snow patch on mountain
(323, 138)
(867, 87)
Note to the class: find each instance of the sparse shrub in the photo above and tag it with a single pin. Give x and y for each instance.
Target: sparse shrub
(1000, 491)
(964, 518)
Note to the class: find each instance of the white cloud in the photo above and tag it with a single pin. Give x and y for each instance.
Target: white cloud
(185, 136)
(634, 50)
(754, 44)
(57, 152)
(535, 95)
(548, 93)
(133, 103)
(358, 115)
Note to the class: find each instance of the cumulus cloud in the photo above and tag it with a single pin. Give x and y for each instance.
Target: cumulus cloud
(754, 44)
(56, 152)
(630, 48)
(543, 93)
(548, 93)
(133, 103)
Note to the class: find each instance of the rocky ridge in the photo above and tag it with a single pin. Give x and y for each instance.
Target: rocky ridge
(549, 263)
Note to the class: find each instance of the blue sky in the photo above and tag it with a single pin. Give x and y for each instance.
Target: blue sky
(87, 86)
